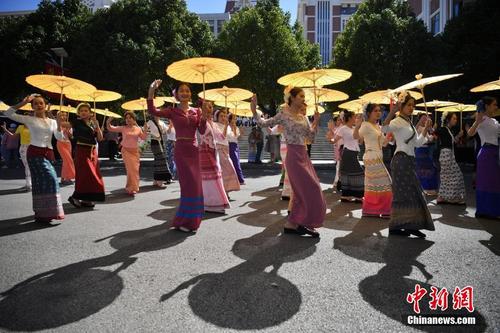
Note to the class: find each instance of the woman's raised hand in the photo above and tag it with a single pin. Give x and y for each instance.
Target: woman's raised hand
(153, 87)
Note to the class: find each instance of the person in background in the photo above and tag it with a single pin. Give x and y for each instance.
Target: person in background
(131, 134)
(488, 159)
(161, 172)
(65, 150)
(10, 145)
(170, 147)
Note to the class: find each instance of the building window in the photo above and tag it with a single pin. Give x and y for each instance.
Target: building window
(457, 8)
(220, 24)
(212, 26)
(343, 22)
(435, 24)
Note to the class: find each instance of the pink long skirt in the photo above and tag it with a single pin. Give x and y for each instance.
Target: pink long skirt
(68, 165)
(308, 206)
(214, 195)
(131, 158)
(229, 176)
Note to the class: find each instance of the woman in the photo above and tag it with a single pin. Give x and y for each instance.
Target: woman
(308, 204)
(161, 171)
(64, 148)
(229, 176)
(171, 149)
(186, 121)
(233, 134)
(337, 149)
(378, 193)
(24, 135)
(47, 203)
(214, 196)
(451, 179)
(427, 171)
(351, 172)
(89, 185)
(409, 212)
(252, 145)
(488, 162)
(131, 133)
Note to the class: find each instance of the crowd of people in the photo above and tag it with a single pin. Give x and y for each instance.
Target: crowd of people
(198, 146)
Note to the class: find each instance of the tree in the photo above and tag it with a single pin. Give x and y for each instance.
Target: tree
(384, 46)
(265, 47)
(128, 45)
(472, 47)
(26, 39)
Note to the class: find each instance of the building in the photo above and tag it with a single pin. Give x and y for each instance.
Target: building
(18, 13)
(324, 20)
(215, 21)
(233, 6)
(98, 4)
(436, 13)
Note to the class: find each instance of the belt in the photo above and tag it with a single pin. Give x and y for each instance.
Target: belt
(85, 144)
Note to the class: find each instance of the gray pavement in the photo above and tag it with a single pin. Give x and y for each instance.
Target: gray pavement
(118, 267)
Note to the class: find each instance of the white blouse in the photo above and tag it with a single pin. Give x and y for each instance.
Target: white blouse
(153, 129)
(41, 129)
(231, 136)
(489, 130)
(221, 139)
(372, 135)
(402, 131)
(346, 133)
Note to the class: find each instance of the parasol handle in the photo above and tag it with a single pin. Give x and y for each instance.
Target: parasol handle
(103, 122)
(203, 78)
(425, 103)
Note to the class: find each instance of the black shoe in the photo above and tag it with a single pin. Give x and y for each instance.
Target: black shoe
(285, 198)
(417, 233)
(75, 202)
(87, 204)
(399, 232)
(301, 231)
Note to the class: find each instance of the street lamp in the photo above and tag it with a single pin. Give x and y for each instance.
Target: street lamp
(60, 52)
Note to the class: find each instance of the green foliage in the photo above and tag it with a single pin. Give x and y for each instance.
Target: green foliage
(265, 47)
(25, 41)
(384, 46)
(472, 46)
(131, 43)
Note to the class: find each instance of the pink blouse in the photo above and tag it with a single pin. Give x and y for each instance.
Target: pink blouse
(130, 135)
(185, 123)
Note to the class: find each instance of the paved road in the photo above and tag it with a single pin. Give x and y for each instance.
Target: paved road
(119, 268)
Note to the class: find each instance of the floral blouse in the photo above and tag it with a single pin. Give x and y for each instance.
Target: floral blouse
(296, 129)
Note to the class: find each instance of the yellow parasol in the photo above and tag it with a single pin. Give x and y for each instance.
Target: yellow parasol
(315, 78)
(141, 104)
(226, 94)
(321, 95)
(420, 83)
(493, 85)
(459, 108)
(167, 99)
(384, 96)
(435, 104)
(355, 105)
(202, 70)
(312, 108)
(4, 107)
(60, 85)
(96, 96)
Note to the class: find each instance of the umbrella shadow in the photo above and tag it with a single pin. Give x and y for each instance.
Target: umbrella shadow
(265, 211)
(493, 228)
(76, 291)
(341, 216)
(387, 290)
(251, 295)
(365, 241)
(117, 196)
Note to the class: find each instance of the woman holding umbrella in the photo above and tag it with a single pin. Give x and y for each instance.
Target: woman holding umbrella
(488, 162)
(47, 203)
(131, 133)
(64, 149)
(308, 205)
(409, 211)
(451, 179)
(186, 122)
(89, 185)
